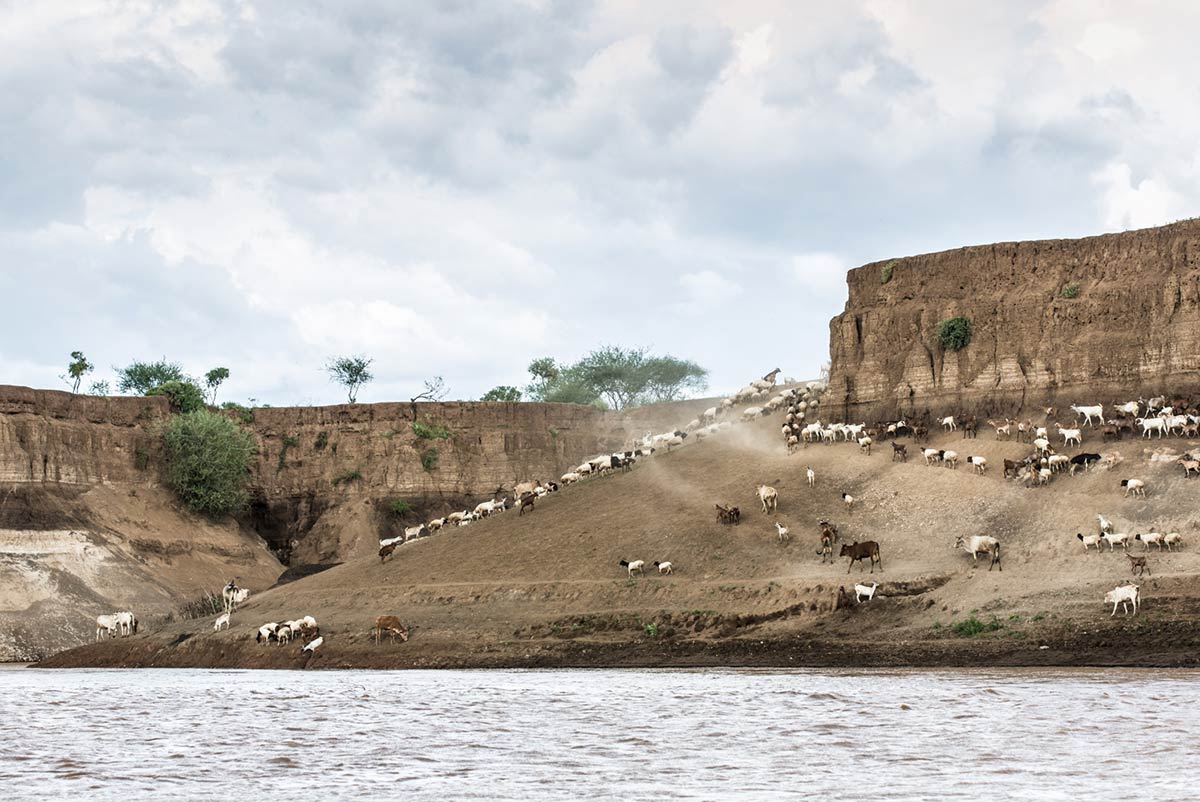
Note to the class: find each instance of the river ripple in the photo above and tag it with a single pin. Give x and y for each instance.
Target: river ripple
(552, 735)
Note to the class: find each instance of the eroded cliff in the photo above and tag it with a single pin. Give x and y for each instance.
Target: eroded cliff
(1053, 322)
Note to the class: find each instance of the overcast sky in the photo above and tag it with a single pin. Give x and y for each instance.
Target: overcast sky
(456, 188)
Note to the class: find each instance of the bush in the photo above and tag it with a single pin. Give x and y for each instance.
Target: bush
(183, 396)
(289, 441)
(244, 414)
(973, 626)
(427, 431)
(954, 333)
(1070, 291)
(398, 506)
(885, 272)
(319, 443)
(429, 459)
(351, 475)
(207, 461)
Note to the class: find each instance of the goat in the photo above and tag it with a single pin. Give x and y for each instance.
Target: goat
(979, 463)
(899, 450)
(526, 501)
(1105, 524)
(865, 592)
(312, 646)
(867, 550)
(1189, 465)
(1136, 485)
(950, 459)
(1112, 539)
(769, 498)
(222, 620)
(127, 623)
(932, 455)
(849, 501)
(1152, 425)
(1172, 539)
(386, 551)
(664, 567)
(783, 532)
(106, 624)
(1150, 537)
(232, 595)
(1089, 540)
(1137, 565)
(981, 544)
(1088, 412)
(728, 515)
(391, 625)
(266, 633)
(1122, 595)
(636, 565)
(864, 444)
(1085, 460)
(1130, 408)
(1069, 435)
(812, 477)
(948, 423)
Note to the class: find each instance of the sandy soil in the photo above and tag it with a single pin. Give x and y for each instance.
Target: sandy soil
(546, 588)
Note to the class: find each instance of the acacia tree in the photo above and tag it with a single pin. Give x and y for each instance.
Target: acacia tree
(77, 369)
(213, 380)
(352, 372)
(142, 377)
(615, 377)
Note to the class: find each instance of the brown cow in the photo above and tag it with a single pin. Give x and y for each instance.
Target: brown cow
(391, 625)
(867, 550)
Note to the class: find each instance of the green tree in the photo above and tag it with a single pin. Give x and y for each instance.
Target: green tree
(615, 377)
(183, 396)
(142, 377)
(213, 380)
(352, 372)
(669, 379)
(77, 369)
(503, 392)
(207, 461)
(99, 387)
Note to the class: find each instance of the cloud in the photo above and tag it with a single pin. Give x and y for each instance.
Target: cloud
(460, 188)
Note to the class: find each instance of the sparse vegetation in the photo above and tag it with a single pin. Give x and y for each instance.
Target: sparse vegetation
(321, 441)
(651, 629)
(207, 460)
(973, 626)
(502, 393)
(142, 377)
(398, 506)
(351, 475)
(352, 372)
(141, 458)
(427, 431)
(955, 333)
(245, 414)
(100, 387)
(885, 272)
(429, 459)
(207, 605)
(1070, 291)
(289, 442)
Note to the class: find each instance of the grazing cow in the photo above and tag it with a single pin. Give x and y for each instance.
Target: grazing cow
(106, 624)
(391, 625)
(867, 550)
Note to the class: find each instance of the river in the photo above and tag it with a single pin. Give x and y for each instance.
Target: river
(566, 735)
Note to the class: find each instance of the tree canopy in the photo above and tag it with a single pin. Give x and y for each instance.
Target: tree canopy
(207, 457)
(352, 372)
(77, 369)
(213, 380)
(142, 377)
(502, 392)
(615, 377)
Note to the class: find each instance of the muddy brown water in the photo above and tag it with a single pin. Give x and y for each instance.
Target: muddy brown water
(1030, 734)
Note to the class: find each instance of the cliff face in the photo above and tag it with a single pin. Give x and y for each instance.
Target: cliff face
(1133, 327)
(85, 527)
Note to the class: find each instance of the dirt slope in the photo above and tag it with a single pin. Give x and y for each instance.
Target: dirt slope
(545, 588)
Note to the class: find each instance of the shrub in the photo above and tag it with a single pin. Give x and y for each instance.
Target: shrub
(954, 333)
(651, 629)
(347, 476)
(429, 459)
(289, 441)
(141, 458)
(885, 272)
(244, 414)
(1070, 291)
(207, 458)
(427, 431)
(973, 626)
(398, 506)
(183, 395)
(319, 443)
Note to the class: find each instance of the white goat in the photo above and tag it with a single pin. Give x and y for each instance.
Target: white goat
(222, 621)
(949, 423)
(932, 455)
(865, 592)
(636, 565)
(769, 497)
(1172, 539)
(1114, 538)
(106, 624)
(1088, 412)
(1089, 540)
(848, 500)
(1151, 537)
(127, 623)
(664, 567)
(950, 459)
(812, 477)
(783, 532)
(1129, 408)
(1152, 425)
(1123, 595)
(979, 463)
(1105, 524)
(1070, 435)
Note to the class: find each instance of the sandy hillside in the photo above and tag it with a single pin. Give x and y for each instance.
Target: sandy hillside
(546, 587)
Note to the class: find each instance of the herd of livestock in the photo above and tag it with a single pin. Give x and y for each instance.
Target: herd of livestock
(1156, 417)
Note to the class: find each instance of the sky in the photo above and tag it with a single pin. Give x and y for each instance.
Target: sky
(455, 188)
